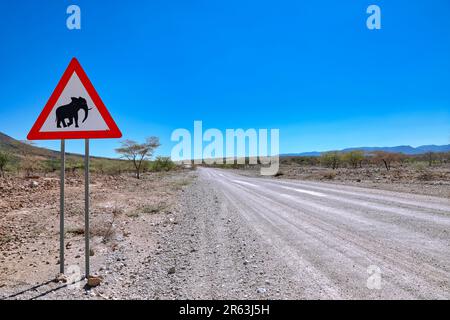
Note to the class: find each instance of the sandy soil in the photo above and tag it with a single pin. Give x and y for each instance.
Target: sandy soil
(126, 216)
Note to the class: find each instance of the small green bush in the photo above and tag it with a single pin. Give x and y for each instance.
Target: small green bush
(4, 159)
(162, 164)
(331, 159)
(51, 165)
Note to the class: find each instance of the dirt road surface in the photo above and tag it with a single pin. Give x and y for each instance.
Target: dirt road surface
(264, 238)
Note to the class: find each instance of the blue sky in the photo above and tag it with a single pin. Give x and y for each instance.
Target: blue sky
(310, 68)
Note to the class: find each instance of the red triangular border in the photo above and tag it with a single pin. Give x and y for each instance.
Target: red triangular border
(36, 134)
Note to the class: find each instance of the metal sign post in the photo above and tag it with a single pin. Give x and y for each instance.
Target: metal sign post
(86, 205)
(61, 206)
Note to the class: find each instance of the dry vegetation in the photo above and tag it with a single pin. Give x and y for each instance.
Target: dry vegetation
(29, 207)
(29, 219)
(425, 173)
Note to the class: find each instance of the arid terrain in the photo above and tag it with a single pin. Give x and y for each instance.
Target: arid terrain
(214, 233)
(128, 219)
(433, 181)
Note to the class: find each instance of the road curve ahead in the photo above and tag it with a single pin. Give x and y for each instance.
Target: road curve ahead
(344, 242)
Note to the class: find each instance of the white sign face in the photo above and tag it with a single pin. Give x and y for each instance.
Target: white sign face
(74, 110)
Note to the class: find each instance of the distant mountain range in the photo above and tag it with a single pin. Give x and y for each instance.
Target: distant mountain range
(399, 149)
(12, 145)
(17, 147)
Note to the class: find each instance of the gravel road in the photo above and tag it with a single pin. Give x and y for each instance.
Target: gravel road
(243, 237)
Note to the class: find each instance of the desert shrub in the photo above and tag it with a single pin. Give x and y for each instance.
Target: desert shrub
(106, 166)
(98, 166)
(51, 165)
(162, 164)
(154, 207)
(300, 160)
(73, 164)
(132, 214)
(331, 159)
(75, 230)
(4, 159)
(431, 157)
(178, 185)
(310, 160)
(353, 158)
(114, 169)
(387, 158)
(106, 231)
(419, 166)
(330, 175)
(29, 165)
(106, 228)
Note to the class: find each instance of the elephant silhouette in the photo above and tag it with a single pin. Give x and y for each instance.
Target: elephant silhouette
(70, 112)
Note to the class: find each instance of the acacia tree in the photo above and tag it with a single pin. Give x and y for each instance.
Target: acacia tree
(29, 162)
(354, 158)
(331, 159)
(137, 153)
(430, 158)
(387, 158)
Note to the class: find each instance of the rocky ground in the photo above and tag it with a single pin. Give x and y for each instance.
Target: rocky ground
(129, 220)
(167, 236)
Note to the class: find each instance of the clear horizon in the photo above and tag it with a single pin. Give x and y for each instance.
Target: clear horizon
(70, 143)
(313, 70)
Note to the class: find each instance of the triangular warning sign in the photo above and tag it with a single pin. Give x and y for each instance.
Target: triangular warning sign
(74, 111)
